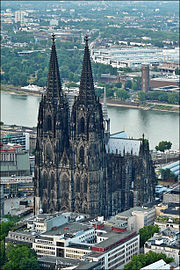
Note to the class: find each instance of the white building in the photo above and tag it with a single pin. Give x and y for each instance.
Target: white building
(19, 16)
(167, 242)
(54, 22)
(133, 57)
(159, 265)
(137, 217)
(72, 236)
(45, 222)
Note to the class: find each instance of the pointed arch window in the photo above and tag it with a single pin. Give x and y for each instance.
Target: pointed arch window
(82, 125)
(85, 185)
(65, 183)
(52, 180)
(81, 155)
(77, 184)
(49, 123)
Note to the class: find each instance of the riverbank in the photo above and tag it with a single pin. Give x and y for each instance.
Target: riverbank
(163, 107)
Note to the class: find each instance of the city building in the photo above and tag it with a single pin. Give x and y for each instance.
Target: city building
(79, 166)
(172, 196)
(54, 22)
(159, 265)
(50, 262)
(167, 222)
(169, 88)
(21, 138)
(168, 67)
(168, 210)
(17, 186)
(145, 77)
(134, 57)
(14, 160)
(72, 236)
(45, 222)
(167, 242)
(164, 81)
(20, 16)
(137, 217)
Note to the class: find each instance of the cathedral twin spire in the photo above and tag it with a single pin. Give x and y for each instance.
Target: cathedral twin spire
(86, 91)
(54, 89)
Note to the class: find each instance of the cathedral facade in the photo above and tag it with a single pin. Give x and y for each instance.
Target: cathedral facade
(79, 165)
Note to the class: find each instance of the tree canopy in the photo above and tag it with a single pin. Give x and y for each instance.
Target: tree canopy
(147, 232)
(167, 175)
(172, 98)
(4, 229)
(20, 257)
(163, 145)
(143, 260)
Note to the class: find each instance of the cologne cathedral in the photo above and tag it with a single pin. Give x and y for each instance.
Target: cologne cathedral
(79, 166)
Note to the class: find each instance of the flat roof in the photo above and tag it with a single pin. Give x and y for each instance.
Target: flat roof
(114, 237)
(128, 213)
(69, 228)
(161, 264)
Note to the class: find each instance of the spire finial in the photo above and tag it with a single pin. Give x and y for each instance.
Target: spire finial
(143, 136)
(53, 38)
(86, 40)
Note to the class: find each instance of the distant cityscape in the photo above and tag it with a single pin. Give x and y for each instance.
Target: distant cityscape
(73, 195)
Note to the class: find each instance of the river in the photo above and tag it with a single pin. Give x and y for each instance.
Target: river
(22, 110)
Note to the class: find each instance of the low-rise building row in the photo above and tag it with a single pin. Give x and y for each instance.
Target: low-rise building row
(78, 237)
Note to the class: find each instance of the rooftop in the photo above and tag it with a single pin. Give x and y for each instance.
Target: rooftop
(69, 228)
(118, 144)
(129, 212)
(159, 265)
(114, 238)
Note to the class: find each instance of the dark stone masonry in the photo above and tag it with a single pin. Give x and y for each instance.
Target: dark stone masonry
(79, 166)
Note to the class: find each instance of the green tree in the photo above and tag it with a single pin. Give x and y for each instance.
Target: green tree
(177, 71)
(109, 92)
(42, 81)
(142, 96)
(163, 145)
(2, 253)
(147, 232)
(118, 84)
(173, 98)
(121, 93)
(167, 175)
(128, 84)
(142, 260)
(20, 257)
(136, 84)
(5, 227)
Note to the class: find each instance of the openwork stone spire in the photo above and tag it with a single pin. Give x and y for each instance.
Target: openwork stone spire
(53, 83)
(104, 106)
(86, 91)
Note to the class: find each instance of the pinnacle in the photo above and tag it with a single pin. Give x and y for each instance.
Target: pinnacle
(104, 106)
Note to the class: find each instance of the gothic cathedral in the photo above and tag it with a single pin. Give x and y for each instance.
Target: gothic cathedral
(79, 165)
